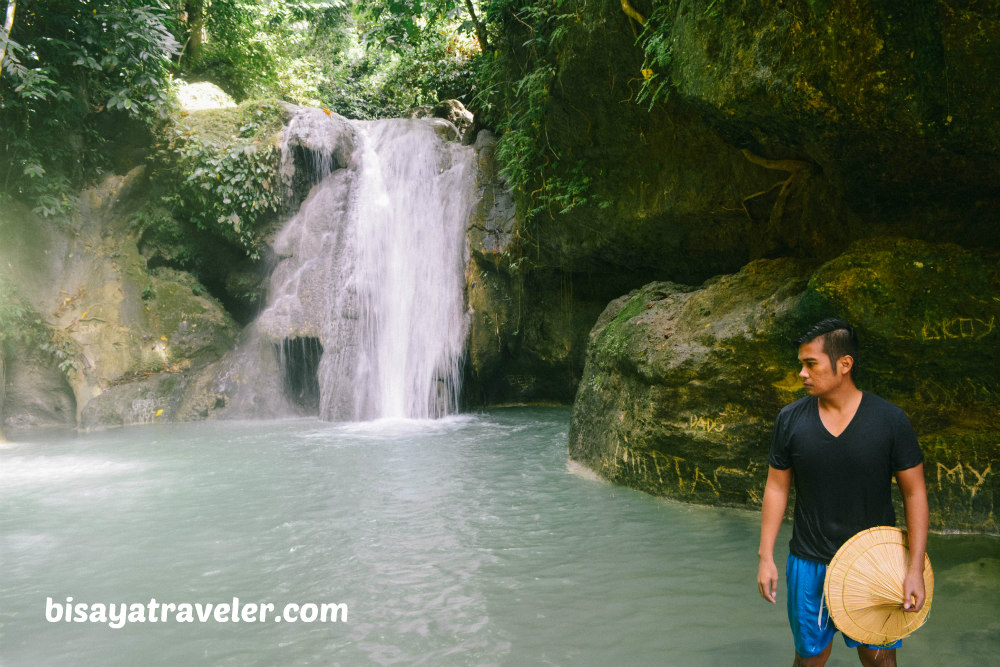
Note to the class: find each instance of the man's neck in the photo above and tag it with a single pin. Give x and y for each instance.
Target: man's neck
(844, 399)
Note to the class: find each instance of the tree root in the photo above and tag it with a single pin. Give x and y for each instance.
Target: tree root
(797, 170)
(632, 14)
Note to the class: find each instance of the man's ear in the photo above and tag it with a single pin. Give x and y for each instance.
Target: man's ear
(845, 363)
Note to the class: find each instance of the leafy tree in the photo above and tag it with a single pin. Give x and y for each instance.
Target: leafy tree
(73, 69)
(258, 48)
(75, 74)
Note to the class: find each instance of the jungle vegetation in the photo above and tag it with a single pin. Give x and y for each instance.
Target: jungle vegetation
(86, 84)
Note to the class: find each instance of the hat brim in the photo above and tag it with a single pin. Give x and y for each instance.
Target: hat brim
(864, 587)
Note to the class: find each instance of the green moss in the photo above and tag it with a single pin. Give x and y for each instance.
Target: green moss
(217, 170)
(613, 341)
(260, 119)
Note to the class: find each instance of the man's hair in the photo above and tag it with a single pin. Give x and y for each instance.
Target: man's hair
(839, 340)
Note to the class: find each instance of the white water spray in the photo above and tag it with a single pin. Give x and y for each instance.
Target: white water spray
(372, 266)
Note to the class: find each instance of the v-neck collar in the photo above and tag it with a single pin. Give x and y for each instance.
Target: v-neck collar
(847, 428)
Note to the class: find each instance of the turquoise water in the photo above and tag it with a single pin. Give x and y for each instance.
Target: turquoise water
(464, 541)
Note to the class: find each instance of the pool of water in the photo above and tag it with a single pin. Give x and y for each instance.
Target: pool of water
(470, 540)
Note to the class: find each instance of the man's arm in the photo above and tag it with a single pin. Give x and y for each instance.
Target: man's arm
(773, 511)
(914, 490)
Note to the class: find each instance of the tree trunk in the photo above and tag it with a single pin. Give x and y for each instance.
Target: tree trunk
(480, 28)
(8, 24)
(196, 27)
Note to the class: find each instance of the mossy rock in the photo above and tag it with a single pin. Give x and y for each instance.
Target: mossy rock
(929, 315)
(225, 125)
(185, 322)
(682, 384)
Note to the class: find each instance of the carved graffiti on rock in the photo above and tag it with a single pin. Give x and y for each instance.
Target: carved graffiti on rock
(956, 475)
(958, 328)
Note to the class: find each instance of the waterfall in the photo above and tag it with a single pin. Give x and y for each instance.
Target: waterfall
(368, 289)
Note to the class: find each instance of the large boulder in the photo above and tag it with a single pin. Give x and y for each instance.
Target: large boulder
(682, 384)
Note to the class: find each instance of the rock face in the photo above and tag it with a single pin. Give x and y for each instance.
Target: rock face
(529, 323)
(114, 342)
(450, 110)
(38, 394)
(682, 384)
(780, 119)
(785, 130)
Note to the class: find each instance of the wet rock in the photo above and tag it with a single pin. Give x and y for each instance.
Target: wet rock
(317, 142)
(37, 392)
(148, 400)
(528, 324)
(452, 111)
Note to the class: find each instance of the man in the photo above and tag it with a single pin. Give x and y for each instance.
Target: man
(841, 446)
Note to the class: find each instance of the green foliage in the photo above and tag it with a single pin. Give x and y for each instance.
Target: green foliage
(514, 93)
(20, 323)
(225, 184)
(269, 47)
(15, 315)
(656, 41)
(73, 69)
(361, 59)
(398, 55)
(62, 351)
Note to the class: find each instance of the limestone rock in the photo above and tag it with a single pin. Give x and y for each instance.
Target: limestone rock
(682, 384)
(317, 142)
(528, 324)
(37, 392)
(108, 320)
(452, 111)
(929, 314)
(789, 128)
(146, 401)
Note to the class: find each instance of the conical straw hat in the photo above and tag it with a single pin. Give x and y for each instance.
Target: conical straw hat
(864, 587)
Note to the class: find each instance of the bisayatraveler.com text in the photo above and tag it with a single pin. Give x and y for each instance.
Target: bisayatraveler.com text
(118, 614)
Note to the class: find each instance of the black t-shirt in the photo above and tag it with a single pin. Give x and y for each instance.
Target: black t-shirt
(843, 483)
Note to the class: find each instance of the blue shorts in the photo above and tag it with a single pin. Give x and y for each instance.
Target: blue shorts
(812, 627)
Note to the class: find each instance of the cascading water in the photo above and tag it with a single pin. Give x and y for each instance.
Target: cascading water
(370, 270)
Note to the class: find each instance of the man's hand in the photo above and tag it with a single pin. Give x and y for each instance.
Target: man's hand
(772, 512)
(914, 489)
(913, 591)
(767, 580)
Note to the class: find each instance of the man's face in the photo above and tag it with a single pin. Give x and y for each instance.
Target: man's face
(818, 375)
